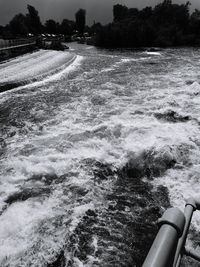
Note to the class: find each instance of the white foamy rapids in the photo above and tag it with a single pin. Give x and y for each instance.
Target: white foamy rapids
(62, 71)
(22, 58)
(194, 88)
(72, 65)
(139, 115)
(107, 69)
(129, 60)
(33, 65)
(153, 53)
(89, 47)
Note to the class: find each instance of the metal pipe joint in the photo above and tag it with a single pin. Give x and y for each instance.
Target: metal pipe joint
(175, 218)
(169, 244)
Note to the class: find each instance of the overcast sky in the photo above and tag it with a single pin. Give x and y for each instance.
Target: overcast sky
(98, 10)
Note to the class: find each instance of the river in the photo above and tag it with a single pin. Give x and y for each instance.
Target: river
(94, 146)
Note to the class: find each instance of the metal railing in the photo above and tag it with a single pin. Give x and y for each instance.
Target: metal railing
(168, 247)
(5, 44)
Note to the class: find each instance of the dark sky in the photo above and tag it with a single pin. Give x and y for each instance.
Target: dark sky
(98, 10)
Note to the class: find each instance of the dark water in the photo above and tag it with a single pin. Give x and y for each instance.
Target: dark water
(94, 146)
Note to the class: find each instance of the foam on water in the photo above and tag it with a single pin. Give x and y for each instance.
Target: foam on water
(22, 58)
(153, 53)
(55, 175)
(49, 77)
(34, 66)
(70, 66)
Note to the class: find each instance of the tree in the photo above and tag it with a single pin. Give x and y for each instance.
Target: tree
(67, 27)
(33, 20)
(146, 13)
(1, 29)
(52, 27)
(95, 28)
(167, 2)
(167, 24)
(132, 13)
(80, 20)
(119, 12)
(195, 23)
(18, 25)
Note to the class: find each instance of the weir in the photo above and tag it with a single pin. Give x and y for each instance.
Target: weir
(168, 247)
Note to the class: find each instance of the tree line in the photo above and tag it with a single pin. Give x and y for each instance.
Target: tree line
(21, 25)
(166, 24)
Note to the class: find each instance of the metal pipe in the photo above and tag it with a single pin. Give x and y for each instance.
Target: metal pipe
(163, 249)
(190, 207)
(169, 245)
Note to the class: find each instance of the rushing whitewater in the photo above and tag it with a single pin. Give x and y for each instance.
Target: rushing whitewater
(94, 145)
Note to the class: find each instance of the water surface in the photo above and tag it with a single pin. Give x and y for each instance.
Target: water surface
(94, 146)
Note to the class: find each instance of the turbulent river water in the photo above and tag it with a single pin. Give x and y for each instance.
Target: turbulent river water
(94, 145)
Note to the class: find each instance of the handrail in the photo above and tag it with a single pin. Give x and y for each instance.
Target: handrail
(190, 207)
(169, 245)
(4, 44)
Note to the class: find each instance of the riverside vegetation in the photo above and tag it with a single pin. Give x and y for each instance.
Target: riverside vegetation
(165, 25)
